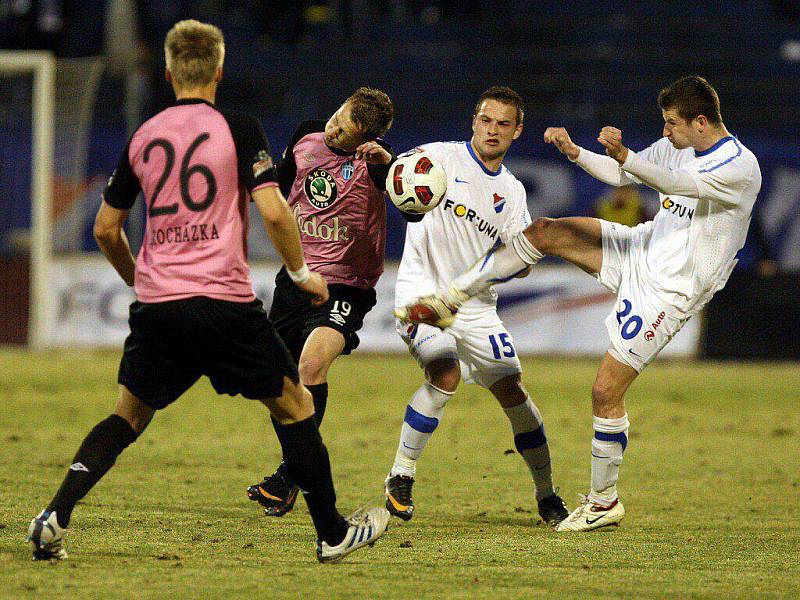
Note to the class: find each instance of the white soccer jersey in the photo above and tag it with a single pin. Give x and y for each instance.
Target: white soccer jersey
(693, 242)
(481, 208)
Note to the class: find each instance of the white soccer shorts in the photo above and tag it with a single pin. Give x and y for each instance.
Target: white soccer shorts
(482, 345)
(641, 324)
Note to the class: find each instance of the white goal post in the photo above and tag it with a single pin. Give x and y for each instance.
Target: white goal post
(42, 65)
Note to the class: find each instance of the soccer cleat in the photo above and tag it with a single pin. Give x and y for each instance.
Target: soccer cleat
(365, 527)
(274, 494)
(47, 537)
(553, 509)
(589, 516)
(398, 496)
(438, 310)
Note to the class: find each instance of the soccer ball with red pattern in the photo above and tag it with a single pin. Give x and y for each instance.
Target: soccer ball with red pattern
(416, 184)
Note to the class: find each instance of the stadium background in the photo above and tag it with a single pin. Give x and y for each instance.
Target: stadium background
(577, 64)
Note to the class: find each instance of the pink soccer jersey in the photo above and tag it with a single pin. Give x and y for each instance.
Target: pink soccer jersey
(339, 206)
(195, 166)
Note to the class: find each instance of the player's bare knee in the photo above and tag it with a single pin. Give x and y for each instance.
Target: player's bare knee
(444, 374)
(509, 391)
(313, 370)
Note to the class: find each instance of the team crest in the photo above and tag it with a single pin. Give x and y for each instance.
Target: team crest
(347, 170)
(499, 203)
(263, 163)
(320, 188)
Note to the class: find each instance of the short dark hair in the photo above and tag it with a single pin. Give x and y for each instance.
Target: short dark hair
(503, 94)
(372, 111)
(691, 96)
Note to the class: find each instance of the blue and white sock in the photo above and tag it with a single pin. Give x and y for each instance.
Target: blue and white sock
(531, 442)
(498, 264)
(421, 420)
(608, 445)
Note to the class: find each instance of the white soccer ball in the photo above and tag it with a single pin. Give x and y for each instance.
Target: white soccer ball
(416, 183)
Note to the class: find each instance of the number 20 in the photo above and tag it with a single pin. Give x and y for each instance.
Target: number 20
(508, 349)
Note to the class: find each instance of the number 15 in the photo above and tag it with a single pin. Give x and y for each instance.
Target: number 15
(508, 349)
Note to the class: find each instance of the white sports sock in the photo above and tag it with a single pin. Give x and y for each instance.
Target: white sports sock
(498, 265)
(531, 443)
(421, 420)
(608, 445)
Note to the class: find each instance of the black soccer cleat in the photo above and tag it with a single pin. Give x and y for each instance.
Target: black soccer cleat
(553, 510)
(398, 496)
(275, 494)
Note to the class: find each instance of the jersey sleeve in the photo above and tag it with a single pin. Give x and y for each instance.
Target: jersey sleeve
(724, 180)
(287, 167)
(123, 186)
(254, 159)
(655, 153)
(520, 218)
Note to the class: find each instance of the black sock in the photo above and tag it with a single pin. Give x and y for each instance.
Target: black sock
(319, 393)
(308, 465)
(94, 458)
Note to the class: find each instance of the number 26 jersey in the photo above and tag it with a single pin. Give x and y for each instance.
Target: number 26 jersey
(196, 166)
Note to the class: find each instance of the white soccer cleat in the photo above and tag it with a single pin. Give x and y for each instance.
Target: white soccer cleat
(589, 516)
(47, 537)
(366, 526)
(437, 309)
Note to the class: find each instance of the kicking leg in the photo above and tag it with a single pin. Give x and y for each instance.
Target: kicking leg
(531, 443)
(96, 455)
(602, 506)
(575, 239)
(421, 420)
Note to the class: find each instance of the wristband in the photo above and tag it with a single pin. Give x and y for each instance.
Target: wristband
(301, 275)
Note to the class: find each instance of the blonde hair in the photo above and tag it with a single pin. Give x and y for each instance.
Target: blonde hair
(194, 51)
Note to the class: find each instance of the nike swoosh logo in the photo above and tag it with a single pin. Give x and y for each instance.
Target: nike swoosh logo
(461, 180)
(588, 522)
(410, 447)
(634, 353)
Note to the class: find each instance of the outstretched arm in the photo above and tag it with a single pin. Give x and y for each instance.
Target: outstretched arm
(667, 181)
(598, 166)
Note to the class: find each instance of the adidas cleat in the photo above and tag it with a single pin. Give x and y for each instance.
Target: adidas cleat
(589, 516)
(553, 510)
(438, 310)
(398, 496)
(366, 526)
(47, 537)
(275, 494)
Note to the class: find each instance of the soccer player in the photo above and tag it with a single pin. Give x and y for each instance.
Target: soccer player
(485, 205)
(334, 177)
(663, 271)
(196, 313)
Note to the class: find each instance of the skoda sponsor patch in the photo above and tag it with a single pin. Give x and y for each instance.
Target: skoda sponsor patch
(320, 188)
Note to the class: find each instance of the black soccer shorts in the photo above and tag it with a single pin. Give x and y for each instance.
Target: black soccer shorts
(295, 317)
(234, 344)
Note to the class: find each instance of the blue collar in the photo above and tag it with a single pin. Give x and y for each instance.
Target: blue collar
(714, 147)
(480, 164)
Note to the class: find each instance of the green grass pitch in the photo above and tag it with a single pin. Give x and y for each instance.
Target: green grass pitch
(711, 484)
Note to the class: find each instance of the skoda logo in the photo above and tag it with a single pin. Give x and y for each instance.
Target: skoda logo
(320, 188)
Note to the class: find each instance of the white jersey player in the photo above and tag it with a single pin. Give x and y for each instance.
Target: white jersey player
(663, 271)
(484, 207)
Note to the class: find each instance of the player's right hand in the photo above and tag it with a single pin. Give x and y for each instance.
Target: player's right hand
(317, 287)
(559, 137)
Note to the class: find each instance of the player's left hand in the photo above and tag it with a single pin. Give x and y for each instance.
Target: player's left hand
(374, 153)
(611, 139)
